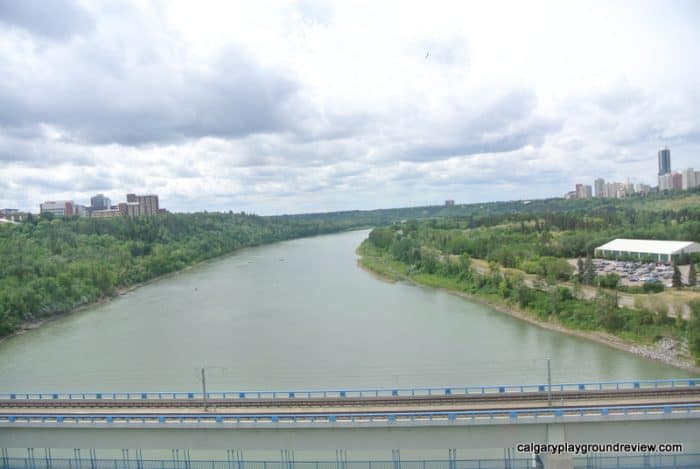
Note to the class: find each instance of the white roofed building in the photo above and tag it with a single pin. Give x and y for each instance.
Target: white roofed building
(662, 251)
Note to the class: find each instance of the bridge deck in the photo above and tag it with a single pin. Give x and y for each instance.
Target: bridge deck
(323, 408)
(281, 407)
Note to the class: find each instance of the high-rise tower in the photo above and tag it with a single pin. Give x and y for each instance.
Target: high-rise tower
(664, 161)
(600, 188)
(100, 202)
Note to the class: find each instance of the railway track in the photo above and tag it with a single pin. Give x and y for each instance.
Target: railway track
(265, 413)
(453, 402)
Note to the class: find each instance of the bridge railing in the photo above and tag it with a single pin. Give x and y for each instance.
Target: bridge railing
(645, 461)
(72, 463)
(382, 418)
(625, 461)
(361, 393)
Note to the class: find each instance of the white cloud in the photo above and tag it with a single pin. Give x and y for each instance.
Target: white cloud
(279, 107)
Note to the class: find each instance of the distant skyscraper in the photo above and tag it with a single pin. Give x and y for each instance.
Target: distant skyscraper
(600, 187)
(664, 161)
(99, 202)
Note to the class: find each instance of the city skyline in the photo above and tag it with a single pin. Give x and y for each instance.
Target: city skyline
(668, 179)
(309, 106)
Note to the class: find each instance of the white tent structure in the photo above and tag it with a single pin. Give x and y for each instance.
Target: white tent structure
(662, 251)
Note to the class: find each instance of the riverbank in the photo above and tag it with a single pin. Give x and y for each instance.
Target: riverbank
(54, 266)
(667, 350)
(35, 324)
(26, 326)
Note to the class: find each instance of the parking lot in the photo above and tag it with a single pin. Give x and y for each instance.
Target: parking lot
(635, 273)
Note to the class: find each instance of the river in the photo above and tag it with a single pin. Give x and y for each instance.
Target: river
(298, 315)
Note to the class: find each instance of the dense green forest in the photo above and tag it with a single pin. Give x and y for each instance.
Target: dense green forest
(50, 266)
(673, 200)
(439, 252)
(527, 240)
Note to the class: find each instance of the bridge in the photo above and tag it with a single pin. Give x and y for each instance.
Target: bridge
(445, 419)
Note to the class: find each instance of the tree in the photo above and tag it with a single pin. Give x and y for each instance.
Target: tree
(692, 275)
(556, 269)
(608, 312)
(588, 272)
(610, 280)
(676, 279)
(494, 273)
(503, 256)
(405, 250)
(524, 295)
(429, 261)
(694, 328)
(465, 267)
(381, 237)
(580, 270)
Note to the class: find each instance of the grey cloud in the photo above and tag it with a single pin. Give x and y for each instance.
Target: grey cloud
(53, 19)
(631, 158)
(348, 172)
(79, 182)
(40, 153)
(262, 174)
(72, 84)
(571, 143)
(152, 102)
(633, 133)
(508, 124)
(28, 131)
(332, 125)
(45, 183)
(441, 151)
(478, 142)
(496, 176)
(96, 181)
(291, 151)
(514, 105)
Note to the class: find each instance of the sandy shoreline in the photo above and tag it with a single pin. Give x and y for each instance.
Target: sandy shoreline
(602, 338)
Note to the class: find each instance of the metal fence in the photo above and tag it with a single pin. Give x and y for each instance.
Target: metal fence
(354, 393)
(646, 461)
(71, 463)
(590, 462)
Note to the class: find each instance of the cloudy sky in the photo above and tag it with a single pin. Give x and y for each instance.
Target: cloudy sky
(298, 106)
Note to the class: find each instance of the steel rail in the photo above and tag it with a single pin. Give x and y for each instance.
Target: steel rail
(510, 415)
(400, 401)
